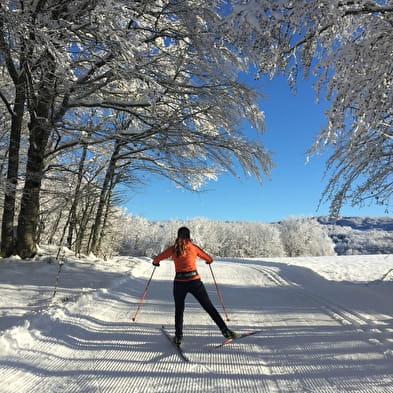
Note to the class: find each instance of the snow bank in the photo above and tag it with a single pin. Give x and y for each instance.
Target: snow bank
(17, 338)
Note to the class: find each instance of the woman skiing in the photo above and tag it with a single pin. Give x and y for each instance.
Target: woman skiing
(187, 280)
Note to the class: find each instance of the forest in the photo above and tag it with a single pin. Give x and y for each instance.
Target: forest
(98, 95)
(291, 237)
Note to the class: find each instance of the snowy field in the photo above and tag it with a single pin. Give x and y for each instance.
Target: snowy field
(326, 325)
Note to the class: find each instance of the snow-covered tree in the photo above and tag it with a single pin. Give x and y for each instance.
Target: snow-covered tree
(218, 238)
(346, 45)
(171, 69)
(163, 64)
(305, 237)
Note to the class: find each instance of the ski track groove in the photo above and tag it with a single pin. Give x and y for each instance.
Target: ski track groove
(111, 357)
(346, 318)
(224, 362)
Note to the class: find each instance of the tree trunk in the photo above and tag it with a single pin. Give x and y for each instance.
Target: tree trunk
(97, 225)
(55, 227)
(107, 208)
(7, 230)
(30, 204)
(74, 206)
(83, 221)
(40, 106)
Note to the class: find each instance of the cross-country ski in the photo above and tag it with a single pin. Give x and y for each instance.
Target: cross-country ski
(237, 337)
(178, 348)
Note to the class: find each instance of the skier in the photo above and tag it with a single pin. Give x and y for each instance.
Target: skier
(187, 280)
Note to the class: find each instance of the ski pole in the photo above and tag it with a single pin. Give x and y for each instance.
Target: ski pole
(219, 293)
(143, 295)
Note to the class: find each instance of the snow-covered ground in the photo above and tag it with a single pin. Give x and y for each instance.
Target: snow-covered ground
(326, 325)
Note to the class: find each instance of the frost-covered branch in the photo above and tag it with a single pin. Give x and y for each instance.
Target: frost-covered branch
(346, 46)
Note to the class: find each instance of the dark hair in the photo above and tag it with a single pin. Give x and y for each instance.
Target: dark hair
(180, 244)
(183, 233)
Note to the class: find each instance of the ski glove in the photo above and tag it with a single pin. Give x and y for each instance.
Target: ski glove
(156, 264)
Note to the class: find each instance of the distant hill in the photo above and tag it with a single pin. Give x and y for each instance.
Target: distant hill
(360, 235)
(359, 223)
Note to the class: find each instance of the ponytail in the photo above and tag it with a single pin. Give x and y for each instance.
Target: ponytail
(179, 246)
(183, 234)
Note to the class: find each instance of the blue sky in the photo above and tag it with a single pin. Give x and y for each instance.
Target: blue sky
(294, 188)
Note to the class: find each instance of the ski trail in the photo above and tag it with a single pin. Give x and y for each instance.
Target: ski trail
(376, 331)
(309, 341)
(352, 342)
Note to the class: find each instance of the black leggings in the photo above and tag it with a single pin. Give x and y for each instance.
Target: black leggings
(197, 289)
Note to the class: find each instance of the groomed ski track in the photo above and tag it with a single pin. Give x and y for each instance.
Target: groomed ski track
(316, 336)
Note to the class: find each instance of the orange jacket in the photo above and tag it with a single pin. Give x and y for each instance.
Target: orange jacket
(186, 262)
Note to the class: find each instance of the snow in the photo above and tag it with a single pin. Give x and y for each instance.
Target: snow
(325, 325)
